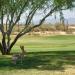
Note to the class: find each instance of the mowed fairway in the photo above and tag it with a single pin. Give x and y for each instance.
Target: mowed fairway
(46, 55)
(46, 43)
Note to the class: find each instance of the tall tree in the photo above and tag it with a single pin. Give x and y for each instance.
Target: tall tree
(12, 10)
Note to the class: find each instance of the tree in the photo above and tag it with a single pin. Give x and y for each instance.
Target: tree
(12, 10)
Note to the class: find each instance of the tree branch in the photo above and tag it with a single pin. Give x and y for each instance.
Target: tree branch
(43, 19)
(30, 28)
(18, 17)
(1, 25)
(30, 16)
(28, 21)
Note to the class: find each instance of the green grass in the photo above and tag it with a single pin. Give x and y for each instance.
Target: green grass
(46, 43)
(46, 55)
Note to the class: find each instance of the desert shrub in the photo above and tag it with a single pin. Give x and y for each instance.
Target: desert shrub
(60, 27)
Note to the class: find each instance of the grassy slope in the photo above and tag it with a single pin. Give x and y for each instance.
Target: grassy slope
(45, 56)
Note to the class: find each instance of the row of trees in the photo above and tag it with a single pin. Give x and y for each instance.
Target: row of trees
(12, 10)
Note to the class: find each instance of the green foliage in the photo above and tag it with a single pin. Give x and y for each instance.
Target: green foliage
(64, 3)
(12, 10)
(16, 5)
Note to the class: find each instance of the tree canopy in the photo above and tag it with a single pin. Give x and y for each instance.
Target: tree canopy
(12, 10)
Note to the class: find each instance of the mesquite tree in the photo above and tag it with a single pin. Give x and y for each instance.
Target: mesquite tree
(12, 10)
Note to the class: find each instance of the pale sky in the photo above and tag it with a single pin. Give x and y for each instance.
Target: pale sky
(69, 15)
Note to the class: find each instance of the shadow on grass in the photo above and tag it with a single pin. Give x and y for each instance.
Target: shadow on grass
(50, 60)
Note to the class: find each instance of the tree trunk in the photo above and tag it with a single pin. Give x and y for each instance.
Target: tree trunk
(4, 43)
(4, 47)
(4, 51)
(1, 49)
(12, 44)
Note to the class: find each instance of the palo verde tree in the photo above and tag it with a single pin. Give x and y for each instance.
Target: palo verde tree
(12, 10)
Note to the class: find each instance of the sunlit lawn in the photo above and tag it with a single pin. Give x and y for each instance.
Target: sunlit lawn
(46, 55)
(46, 43)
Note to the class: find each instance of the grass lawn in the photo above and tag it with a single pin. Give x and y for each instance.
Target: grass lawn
(46, 55)
(46, 43)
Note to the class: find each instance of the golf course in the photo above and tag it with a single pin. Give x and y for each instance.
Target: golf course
(45, 55)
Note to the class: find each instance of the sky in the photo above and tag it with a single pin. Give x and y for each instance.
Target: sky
(69, 16)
